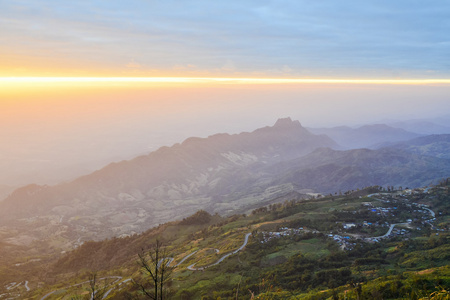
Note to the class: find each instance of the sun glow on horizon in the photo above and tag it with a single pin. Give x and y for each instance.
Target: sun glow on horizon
(205, 80)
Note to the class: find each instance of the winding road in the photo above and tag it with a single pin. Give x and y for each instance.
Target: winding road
(387, 233)
(26, 286)
(170, 260)
(191, 267)
(393, 225)
(186, 257)
(431, 212)
(114, 282)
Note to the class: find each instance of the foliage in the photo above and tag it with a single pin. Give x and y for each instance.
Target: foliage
(304, 264)
(199, 218)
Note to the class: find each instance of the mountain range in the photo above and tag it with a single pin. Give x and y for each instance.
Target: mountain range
(436, 145)
(435, 126)
(222, 174)
(367, 136)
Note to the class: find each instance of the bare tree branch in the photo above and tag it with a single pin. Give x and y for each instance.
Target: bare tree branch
(156, 272)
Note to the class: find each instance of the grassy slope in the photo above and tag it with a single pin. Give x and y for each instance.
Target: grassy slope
(308, 264)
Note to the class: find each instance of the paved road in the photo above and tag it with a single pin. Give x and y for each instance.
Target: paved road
(46, 295)
(431, 212)
(184, 258)
(170, 260)
(191, 267)
(114, 287)
(388, 232)
(116, 277)
(393, 225)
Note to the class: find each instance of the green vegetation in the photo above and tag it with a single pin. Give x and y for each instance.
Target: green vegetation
(322, 248)
(200, 217)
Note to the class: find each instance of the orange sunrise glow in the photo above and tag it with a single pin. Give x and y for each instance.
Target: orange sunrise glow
(195, 80)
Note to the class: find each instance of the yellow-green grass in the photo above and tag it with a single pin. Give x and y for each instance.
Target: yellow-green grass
(313, 248)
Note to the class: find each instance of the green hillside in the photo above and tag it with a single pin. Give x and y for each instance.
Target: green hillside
(329, 247)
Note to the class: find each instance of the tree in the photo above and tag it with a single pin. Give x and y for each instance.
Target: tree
(199, 218)
(96, 290)
(156, 270)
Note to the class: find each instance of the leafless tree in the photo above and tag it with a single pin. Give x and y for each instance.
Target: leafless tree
(96, 290)
(156, 271)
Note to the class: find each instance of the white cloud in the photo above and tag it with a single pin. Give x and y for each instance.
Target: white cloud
(250, 36)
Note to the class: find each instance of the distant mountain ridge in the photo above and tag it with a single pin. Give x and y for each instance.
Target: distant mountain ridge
(367, 136)
(421, 126)
(436, 145)
(331, 170)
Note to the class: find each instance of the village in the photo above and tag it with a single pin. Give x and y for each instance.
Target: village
(394, 213)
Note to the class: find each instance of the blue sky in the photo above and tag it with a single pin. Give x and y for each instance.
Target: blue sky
(358, 39)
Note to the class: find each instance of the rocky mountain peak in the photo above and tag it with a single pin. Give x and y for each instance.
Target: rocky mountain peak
(286, 122)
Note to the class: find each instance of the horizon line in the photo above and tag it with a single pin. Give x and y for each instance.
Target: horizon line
(112, 79)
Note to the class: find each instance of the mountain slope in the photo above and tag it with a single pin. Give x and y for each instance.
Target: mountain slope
(421, 126)
(367, 136)
(329, 170)
(290, 238)
(436, 145)
(169, 183)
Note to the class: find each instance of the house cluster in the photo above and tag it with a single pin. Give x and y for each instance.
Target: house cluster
(346, 242)
(400, 231)
(269, 235)
(396, 206)
(348, 225)
(364, 224)
(384, 211)
(420, 212)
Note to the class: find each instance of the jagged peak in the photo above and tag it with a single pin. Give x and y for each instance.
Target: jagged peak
(286, 122)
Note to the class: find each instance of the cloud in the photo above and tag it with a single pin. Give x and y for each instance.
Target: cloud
(325, 37)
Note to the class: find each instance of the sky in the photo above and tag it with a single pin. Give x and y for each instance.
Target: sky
(200, 66)
(337, 39)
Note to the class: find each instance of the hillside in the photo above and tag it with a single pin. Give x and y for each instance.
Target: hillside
(328, 170)
(435, 145)
(372, 239)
